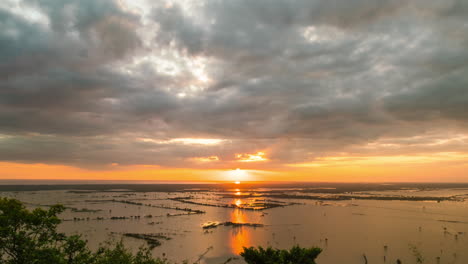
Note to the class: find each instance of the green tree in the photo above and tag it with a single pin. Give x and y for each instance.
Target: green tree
(75, 251)
(121, 255)
(31, 237)
(28, 237)
(269, 255)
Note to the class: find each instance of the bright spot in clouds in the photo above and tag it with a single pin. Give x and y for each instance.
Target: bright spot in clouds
(259, 156)
(206, 159)
(201, 141)
(188, 141)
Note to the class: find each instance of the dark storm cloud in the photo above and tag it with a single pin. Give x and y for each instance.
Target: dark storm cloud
(262, 28)
(444, 97)
(82, 34)
(87, 81)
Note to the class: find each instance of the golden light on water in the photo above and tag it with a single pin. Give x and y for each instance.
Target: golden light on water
(240, 237)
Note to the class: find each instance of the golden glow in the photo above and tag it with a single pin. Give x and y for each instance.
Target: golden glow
(237, 176)
(240, 236)
(114, 171)
(238, 202)
(428, 167)
(384, 160)
(259, 156)
(206, 159)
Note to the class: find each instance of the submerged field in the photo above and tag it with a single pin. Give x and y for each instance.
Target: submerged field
(212, 222)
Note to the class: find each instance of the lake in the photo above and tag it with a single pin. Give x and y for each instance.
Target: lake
(350, 222)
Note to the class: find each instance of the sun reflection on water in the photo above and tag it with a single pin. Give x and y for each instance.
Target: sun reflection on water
(240, 236)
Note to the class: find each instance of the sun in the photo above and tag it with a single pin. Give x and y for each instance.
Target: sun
(237, 176)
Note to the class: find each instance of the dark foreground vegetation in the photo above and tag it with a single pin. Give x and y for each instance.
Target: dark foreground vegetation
(31, 237)
(272, 256)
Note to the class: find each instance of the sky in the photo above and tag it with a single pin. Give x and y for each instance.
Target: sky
(210, 90)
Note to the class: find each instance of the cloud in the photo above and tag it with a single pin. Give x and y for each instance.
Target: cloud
(82, 82)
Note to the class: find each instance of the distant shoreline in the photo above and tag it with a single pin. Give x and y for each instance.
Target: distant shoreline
(166, 186)
(86, 182)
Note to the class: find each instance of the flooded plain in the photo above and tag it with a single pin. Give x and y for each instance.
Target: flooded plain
(211, 223)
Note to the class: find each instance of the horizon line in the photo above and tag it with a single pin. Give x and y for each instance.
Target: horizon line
(149, 182)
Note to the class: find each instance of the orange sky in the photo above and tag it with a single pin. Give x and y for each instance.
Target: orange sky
(371, 170)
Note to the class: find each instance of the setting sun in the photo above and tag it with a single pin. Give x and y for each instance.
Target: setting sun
(237, 176)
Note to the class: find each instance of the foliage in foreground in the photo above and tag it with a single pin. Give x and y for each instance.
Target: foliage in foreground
(31, 237)
(273, 256)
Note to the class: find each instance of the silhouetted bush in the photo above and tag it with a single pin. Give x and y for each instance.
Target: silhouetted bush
(296, 255)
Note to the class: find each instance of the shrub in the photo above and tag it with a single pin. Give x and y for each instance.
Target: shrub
(31, 237)
(296, 255)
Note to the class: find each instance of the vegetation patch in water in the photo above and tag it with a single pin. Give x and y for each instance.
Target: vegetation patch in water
(209, 225)
(245, 206)
(151, 239)
(84, 210)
